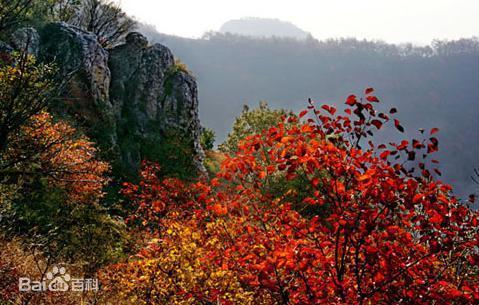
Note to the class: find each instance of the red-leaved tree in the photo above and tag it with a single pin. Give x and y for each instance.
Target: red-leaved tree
(312, 211)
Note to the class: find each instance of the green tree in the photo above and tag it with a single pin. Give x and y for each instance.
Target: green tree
(252, 122)
(207, 139)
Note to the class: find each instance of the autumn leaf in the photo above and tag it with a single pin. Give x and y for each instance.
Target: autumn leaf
(351, 100)
(377, 123)
(372, 99)
(303, 113)
(398, 125)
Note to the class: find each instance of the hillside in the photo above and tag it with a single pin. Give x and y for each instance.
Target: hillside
(112, 191)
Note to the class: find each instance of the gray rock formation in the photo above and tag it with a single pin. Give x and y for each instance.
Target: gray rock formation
(77, 52)
(153, 97)
(26, 39)
(83, 63)
(132, 100)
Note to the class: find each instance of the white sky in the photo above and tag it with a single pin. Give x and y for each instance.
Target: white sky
(418, 21)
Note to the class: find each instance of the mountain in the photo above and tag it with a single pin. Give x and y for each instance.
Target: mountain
(263, 27)
(432, 86)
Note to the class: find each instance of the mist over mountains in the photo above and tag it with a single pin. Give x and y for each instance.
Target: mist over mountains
(432, 86)
(263, 28)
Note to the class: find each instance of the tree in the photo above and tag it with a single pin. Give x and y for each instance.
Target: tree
(389, 235)
(207, 139)
(55, 10)
(251, 122)
(43, 148)
(13, 13)
(26, 88)
(105, 19)
(58, 183)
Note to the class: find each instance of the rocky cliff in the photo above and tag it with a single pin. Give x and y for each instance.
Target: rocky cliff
(153, 99)
(133, 99)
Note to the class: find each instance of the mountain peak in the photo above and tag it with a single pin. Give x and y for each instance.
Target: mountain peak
(263, 27)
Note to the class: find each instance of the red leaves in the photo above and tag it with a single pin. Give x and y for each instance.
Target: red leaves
(385, 154)
(377, 123)
(68, 162)
(398, 125)
(368, 91)
(286, 140)
(351, 100)
(303, 113)
(364, 177)
(219, 210)
(372, 99)
(418, 198)
(329, 211)
(306, 128)
(435, 217)
(434, 131)
(433, 146)
(330, 109)
(158, 206)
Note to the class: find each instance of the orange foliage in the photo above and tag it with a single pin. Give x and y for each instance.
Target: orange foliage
(375, 232)
(54, 149)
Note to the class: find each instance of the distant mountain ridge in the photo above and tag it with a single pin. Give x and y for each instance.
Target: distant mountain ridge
(263, 27)
(432, 86)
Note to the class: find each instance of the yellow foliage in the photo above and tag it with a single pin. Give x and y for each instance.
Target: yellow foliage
(183, 267)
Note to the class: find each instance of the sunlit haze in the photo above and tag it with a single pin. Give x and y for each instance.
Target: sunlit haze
(391, 21)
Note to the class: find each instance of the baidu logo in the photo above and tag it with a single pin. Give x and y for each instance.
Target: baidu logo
(57, 280)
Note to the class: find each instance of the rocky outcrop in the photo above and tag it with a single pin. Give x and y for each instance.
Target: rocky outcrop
(78, 55)
(152, 97)
(131, 99)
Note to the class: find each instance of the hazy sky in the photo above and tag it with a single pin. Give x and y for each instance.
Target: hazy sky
(417, 21)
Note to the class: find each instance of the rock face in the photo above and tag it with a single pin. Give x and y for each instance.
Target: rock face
(78, 54)
(152, 98)
(132, 99)
(83, 63)
(26, 39)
